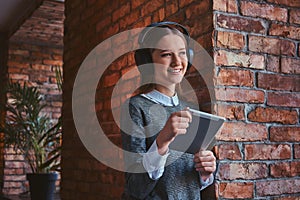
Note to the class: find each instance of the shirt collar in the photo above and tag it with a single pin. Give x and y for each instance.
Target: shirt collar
(163, 99)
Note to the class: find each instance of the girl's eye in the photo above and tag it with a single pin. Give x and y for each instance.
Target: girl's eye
(182, 53)
(166, 54)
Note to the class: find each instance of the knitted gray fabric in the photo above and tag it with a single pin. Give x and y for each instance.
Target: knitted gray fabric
(180, 180)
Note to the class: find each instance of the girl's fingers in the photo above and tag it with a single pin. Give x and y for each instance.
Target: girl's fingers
(205, 164)
(205, 169)
(204, 159)
(184, 115)
(205, 153)
(182, 125)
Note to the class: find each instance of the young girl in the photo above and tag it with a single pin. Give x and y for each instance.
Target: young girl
(158, 115)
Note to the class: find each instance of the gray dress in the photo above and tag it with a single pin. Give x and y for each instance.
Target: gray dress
(180, 180)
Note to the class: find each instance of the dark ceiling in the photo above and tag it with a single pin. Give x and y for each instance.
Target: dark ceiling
(14, 14)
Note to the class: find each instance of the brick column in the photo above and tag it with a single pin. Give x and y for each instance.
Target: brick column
(256, 52)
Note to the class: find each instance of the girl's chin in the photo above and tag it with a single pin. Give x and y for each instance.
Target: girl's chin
(171, 80)
(176, 80)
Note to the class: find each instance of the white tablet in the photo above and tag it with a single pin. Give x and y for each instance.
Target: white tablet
(200, 134)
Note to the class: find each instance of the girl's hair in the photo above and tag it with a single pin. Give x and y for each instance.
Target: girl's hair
(151, 40)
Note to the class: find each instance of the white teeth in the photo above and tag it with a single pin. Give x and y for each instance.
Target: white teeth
(174, 70)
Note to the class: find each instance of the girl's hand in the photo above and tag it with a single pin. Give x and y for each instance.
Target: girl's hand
(205, 163)
(177, 124)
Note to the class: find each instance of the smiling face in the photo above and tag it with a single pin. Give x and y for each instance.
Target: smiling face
(170, 63)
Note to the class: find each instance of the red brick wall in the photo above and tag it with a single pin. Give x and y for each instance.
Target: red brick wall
(256, 52)
(34, 65)
(87, 24)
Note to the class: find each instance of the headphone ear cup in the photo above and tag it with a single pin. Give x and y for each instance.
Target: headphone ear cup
(142, 57)
(190, 57)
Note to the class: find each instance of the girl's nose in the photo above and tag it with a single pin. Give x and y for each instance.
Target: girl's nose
(175, 60)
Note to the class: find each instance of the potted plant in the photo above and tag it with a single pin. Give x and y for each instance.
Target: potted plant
(32, 134)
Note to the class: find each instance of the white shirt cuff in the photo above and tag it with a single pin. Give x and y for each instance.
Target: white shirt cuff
(207, 182)
(154, 163)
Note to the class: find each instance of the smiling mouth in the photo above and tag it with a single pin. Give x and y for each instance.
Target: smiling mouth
(171, 70)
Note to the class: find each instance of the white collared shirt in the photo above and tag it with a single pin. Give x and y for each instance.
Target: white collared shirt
(162, 99)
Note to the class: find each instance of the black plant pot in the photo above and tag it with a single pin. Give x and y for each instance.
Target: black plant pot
(42, 186)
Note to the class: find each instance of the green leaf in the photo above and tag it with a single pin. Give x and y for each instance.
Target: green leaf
(28, 130)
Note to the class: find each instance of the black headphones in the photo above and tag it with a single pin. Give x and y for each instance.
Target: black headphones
(142, 56)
